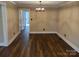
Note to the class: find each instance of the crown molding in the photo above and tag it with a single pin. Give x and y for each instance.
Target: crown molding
(57, 6)
(2, 3)
(69, 3)
(13, 2)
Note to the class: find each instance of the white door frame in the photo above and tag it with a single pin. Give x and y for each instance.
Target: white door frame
(5, 25)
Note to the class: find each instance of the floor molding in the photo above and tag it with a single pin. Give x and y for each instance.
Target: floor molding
(68, 42)
(13, 38)
(63, 38)
(2, 44)
(41, 32)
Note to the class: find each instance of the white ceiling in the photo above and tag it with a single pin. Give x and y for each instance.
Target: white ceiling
(37, 3)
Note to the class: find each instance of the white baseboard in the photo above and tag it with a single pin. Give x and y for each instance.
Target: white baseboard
(41, 32)
(13, 38)
(2, 44)
(69, 43)
(63, 38)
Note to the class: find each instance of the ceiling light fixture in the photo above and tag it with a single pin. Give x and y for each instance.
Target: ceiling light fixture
(40, 8)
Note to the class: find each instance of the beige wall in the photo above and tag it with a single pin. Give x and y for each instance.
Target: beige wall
(13, 21)
(68, 23)
(42, 20)
(64, 21)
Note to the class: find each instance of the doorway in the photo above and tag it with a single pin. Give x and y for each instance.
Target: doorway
(24, 20)
(24, 24)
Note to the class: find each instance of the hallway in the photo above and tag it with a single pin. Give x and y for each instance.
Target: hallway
(38, 45)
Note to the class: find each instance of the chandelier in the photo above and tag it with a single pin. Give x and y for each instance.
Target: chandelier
(40, 8)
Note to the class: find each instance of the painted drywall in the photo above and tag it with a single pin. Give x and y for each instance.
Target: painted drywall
(12, 19)
(68, 23)
(43, 20)
(64, 21)
(1, 27)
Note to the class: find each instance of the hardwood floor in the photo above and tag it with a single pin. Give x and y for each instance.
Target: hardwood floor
(36, 45)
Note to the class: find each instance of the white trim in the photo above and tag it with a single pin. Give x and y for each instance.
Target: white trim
(4, 18)
(2, 3)
(63, 38)
(66, 3)
(13, 38)
(68, 42)
(41, 32)
(2, 44)
(5, 27)
(13, 2)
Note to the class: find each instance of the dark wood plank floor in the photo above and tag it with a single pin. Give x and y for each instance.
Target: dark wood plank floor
(36, 45)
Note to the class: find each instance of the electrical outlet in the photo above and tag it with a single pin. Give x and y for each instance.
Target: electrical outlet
(13, 33)
(43, 29)
(64, 35)
(31, 19)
